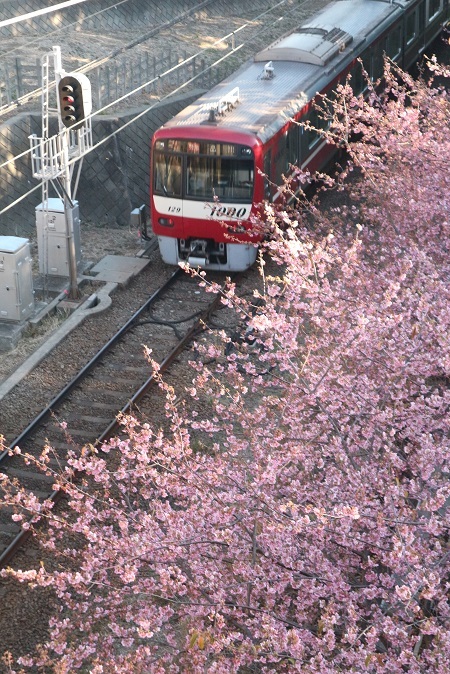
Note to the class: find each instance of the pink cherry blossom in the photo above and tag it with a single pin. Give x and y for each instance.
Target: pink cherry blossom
(300, 523)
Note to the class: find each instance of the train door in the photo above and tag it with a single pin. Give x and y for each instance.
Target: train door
(292, 146)
(411, 36)
(314, 155)
(279, 169)
(286, 156)
(268, 190)
(377, 64)
(394, 43)
(292, 158)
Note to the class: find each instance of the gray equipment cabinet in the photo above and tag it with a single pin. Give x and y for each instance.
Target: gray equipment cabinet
(16, 280)
(52, 238)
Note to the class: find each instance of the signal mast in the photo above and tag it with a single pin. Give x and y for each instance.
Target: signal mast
(54, 158)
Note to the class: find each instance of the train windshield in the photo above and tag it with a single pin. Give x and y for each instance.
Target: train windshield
(220, 176)
(202, 170)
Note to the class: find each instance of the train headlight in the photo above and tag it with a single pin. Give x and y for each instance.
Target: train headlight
(165, 222)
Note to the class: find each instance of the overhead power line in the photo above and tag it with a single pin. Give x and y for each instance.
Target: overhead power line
(61, 28)
(170, 70)
(98, 61)
(168, 95)
(131, 121)
(40, 12)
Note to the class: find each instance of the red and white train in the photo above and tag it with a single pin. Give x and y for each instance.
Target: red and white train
(215, 162)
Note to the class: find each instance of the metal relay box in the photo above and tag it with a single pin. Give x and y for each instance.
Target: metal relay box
(52, 238)
(16, 279)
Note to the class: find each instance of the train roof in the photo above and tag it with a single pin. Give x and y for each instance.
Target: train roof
(281, 79)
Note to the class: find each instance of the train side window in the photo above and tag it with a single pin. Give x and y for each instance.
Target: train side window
(411, 27)
(268, 175)
(357, 80)
(394, 45)
(434, 7)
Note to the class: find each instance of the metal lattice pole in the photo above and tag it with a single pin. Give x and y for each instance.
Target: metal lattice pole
(45, 64)
(53, 159)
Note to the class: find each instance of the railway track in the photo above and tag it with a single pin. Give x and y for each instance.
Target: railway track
(114, 380)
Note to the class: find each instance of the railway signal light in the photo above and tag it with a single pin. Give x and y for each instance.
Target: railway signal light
(74, 99)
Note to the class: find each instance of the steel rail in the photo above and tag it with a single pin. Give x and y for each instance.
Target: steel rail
(7, 555)
(53, 404)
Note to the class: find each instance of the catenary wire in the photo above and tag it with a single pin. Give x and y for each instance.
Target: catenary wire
(162, 98)
(131, 121)
(65, 27)
(152, 81)
(86, 67)
(39, 12)
(170, 70)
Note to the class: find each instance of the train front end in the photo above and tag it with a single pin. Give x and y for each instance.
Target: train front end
(202, 196)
